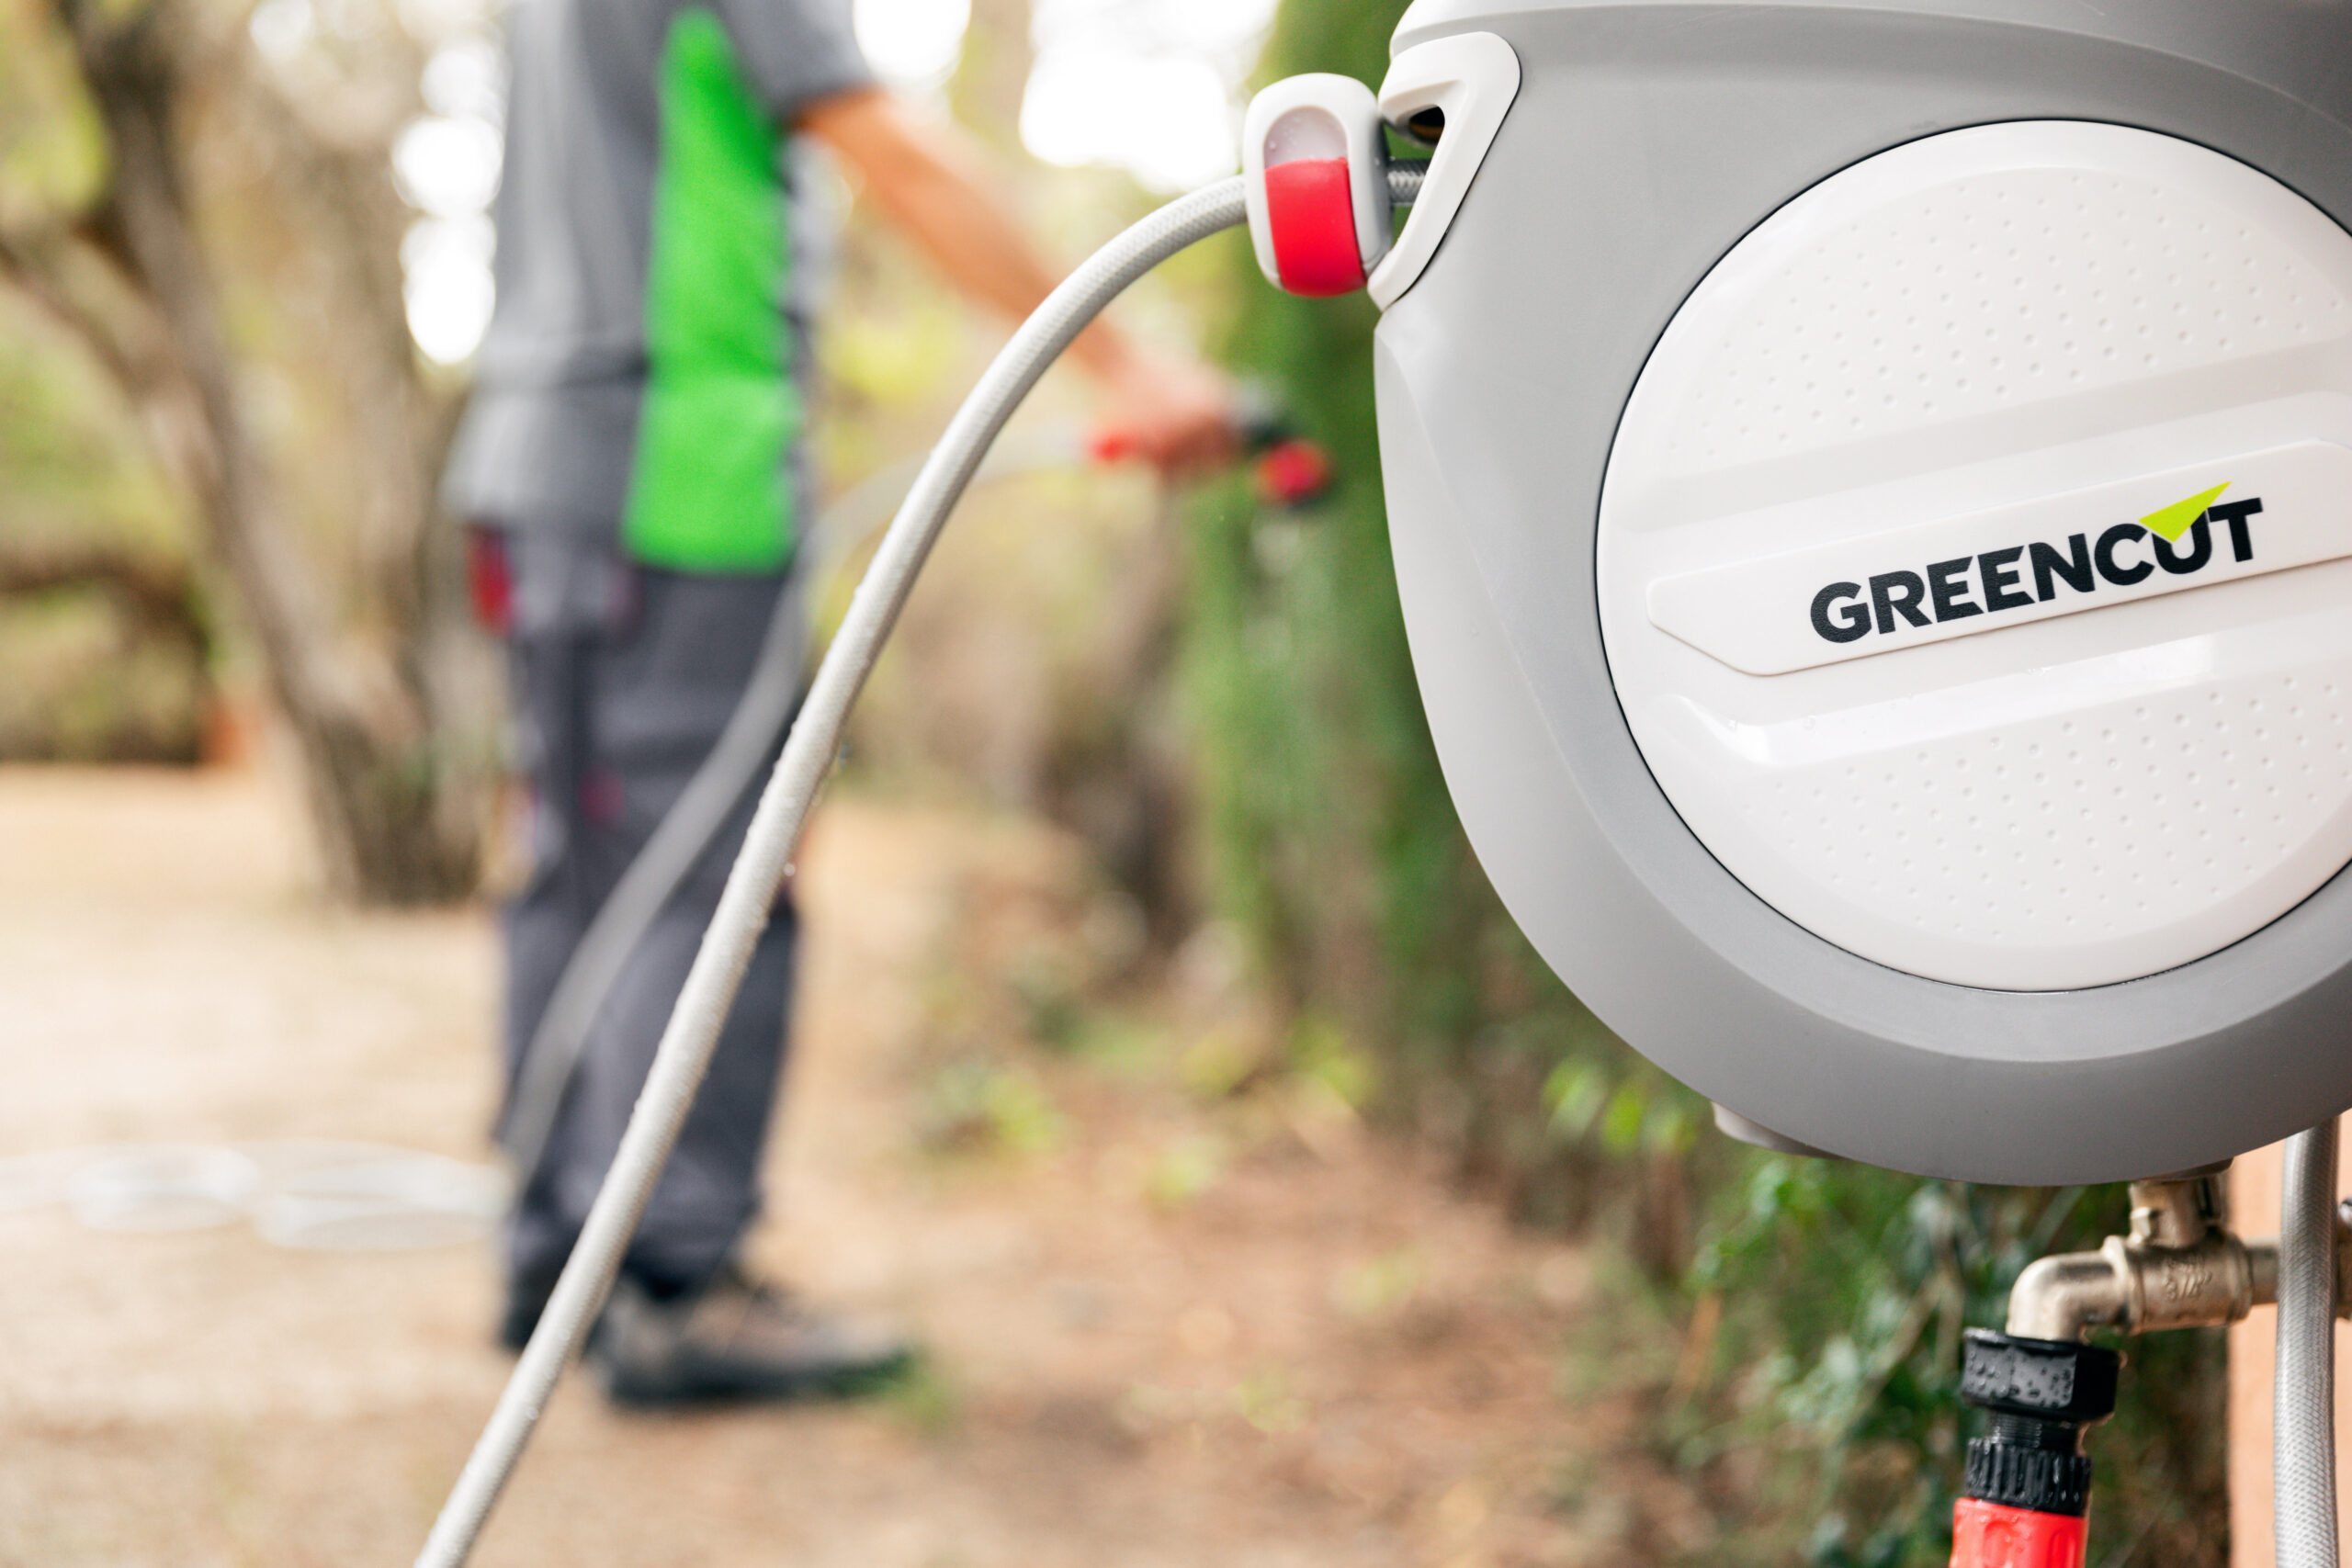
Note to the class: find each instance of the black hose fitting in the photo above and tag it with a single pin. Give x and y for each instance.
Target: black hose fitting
(2041, 1395)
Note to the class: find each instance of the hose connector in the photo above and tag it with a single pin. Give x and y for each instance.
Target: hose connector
(2026, 1492)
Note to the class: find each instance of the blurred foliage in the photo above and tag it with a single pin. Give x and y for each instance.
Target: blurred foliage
(214, 229)
(105, 641)
(53, 153)
(1819, 1304)
(974, 1106)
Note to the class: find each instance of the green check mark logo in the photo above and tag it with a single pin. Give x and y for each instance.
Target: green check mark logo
(2174, 521)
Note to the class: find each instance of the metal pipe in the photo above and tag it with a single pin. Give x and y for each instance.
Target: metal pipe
(2058, 1298)
(2180, 1267)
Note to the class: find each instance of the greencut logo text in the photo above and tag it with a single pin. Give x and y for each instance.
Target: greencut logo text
(2177, 540)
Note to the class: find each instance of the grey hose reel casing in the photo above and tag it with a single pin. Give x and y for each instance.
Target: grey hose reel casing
(1982, 991)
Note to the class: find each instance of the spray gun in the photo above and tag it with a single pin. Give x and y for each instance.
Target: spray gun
(1866, 486)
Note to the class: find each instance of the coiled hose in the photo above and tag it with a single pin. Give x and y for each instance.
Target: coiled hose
(2302, 1442)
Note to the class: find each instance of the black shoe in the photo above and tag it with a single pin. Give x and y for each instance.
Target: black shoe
(736, 1339)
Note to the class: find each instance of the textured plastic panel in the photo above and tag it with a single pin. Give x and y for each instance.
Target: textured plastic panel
(1869, 700)
(1989, 270)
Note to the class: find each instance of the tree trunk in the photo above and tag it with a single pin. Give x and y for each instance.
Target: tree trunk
(398, 816)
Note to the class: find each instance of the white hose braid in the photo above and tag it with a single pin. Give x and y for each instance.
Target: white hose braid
(2303, 1459)
(775, 837)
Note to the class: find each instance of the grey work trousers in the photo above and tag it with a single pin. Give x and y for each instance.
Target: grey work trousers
(623, 677)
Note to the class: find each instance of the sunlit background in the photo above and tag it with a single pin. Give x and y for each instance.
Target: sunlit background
(1149, 86)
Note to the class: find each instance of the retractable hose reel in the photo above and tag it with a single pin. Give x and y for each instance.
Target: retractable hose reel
(1871, 498)
(1871, 493)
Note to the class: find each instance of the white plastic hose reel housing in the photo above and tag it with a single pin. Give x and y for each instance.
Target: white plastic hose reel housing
(1872, 500)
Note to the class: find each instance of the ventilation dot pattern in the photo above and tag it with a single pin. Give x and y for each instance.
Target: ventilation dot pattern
(1995, 290)
(2099, 826)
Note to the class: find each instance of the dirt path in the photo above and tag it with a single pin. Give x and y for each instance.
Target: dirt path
(1166, 1329)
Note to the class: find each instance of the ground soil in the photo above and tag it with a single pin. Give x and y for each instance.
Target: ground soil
(1170, 1321)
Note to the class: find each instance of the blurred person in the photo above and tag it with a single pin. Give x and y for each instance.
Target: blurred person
(632, 461)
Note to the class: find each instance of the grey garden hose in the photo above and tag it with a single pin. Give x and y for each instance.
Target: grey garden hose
(2302, 1442)
(686, 1044)
(692, 1032)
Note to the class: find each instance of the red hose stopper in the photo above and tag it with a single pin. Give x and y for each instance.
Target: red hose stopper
(1991, 1535)
(1312, 216)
